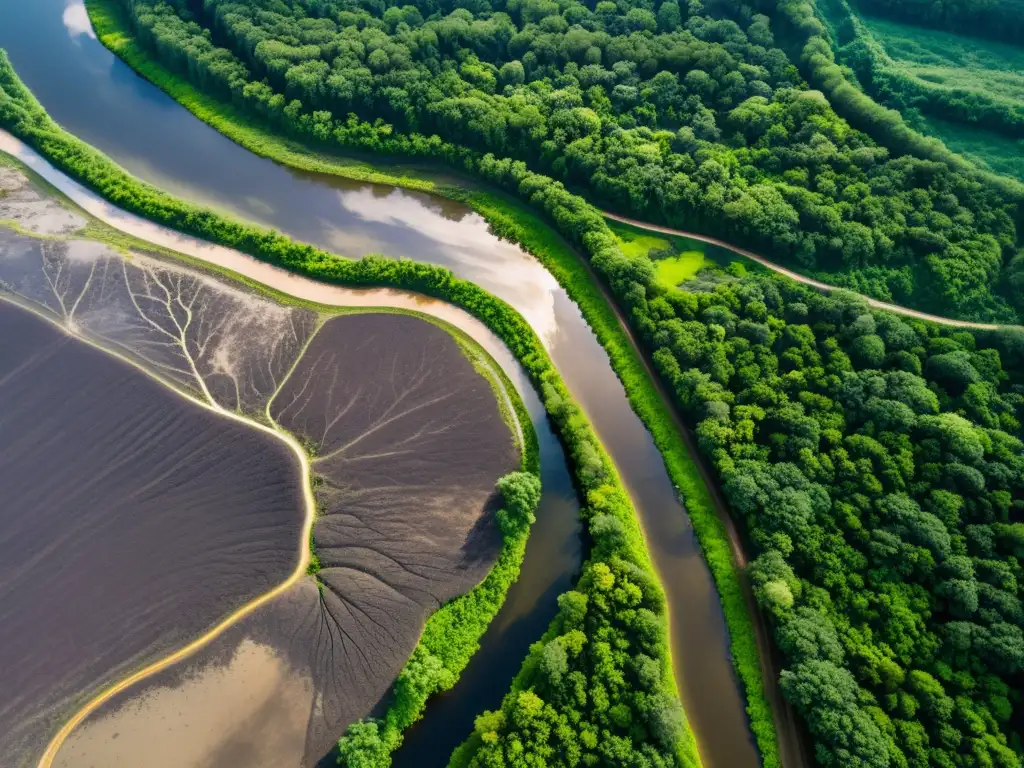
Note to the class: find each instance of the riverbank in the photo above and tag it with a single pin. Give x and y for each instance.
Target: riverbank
(514, 221)
(595, 474)
(450, 634)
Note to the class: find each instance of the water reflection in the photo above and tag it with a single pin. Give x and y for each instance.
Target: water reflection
(515, 276)
(76, 19)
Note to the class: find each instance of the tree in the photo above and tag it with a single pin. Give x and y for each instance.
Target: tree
(827, 696)
(362, 747)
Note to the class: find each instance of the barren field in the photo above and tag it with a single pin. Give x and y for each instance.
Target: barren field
(139, 518)
(407, 442)
(132, 520)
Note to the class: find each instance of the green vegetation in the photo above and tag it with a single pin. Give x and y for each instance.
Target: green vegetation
(314, 560)
(673, 270)
(986, 149)
(689, 116)
(997, 19)
(808, 29)
(511, 221)
(673, 265)
(975, 84)
(878, 468)
(633, 242)
(875, 463)
(626, 658)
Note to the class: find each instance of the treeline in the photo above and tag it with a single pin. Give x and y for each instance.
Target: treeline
(877, 466)
(898, 87)
(634, 712)
(996, 19)
(806, 34)
(801, 26)
(688, 116)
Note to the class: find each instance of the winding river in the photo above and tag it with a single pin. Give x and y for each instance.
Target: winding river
(98, 98)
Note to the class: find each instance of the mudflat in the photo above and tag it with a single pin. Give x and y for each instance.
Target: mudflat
(407, 441)
(131, 520)
(150, 518)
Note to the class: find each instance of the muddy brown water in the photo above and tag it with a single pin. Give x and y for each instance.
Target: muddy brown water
(99, 99)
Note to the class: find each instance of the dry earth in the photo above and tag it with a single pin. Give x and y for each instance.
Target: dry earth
(131, 521)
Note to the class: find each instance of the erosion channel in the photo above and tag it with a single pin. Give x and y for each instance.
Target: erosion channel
(161, 605)
(95, 96)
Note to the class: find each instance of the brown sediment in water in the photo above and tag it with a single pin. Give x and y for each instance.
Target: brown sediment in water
(248, 710)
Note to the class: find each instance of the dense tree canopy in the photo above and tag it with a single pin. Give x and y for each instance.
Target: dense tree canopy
(688, 114)
(878, 468)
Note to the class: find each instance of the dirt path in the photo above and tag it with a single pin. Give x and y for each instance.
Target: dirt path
(895, 308)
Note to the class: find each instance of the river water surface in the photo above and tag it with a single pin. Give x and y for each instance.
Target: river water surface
(98, 98)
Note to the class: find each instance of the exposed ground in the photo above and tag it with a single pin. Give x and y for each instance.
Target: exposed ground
(131, 521)
(401, 529)
(407, 440)
(165, 517)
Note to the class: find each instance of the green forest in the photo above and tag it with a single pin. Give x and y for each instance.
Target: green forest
(968, 91)
(878, 467)
(689, 115)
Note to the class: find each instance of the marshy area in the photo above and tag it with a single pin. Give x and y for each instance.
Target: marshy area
(162, 430)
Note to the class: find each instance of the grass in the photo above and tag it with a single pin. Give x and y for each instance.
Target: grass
(674, 261)
(967, 92)
(952, 61)
(673, 270)
(634, 242)
(515, 221)
(986, 149)
(925, 47)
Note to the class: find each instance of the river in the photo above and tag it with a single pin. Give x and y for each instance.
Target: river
(98, 98)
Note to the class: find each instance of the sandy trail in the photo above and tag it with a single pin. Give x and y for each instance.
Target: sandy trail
(778, 268)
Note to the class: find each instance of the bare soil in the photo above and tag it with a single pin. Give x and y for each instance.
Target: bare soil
(409, 442)
(131, 520)
(167, 517)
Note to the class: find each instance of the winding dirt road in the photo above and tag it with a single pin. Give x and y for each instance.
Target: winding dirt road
(875, 303)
